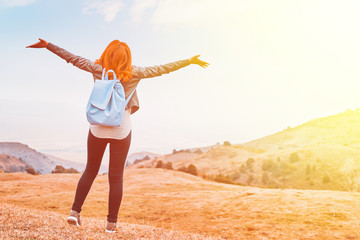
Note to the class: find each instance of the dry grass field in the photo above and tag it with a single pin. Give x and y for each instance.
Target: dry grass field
(176, 201)
(24, 223)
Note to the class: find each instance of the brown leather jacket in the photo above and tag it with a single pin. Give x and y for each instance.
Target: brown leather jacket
(138, 72)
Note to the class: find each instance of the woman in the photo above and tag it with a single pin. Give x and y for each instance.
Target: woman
(116, 56)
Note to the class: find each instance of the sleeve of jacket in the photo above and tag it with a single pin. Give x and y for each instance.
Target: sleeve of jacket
(77, 61)
(158, 70)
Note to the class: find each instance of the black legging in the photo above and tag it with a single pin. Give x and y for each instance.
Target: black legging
(95, 151)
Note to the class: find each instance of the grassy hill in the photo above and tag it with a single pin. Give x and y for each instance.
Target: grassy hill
(177, 201)
(321, 154)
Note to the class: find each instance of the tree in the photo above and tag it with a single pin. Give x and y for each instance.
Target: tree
(32, 171)
(189, 169)
(267, 165)
(159, 164)
(168, 165)
(71, 170)
(61, 169)
(223, 178)
(192, 169)
(58, 169)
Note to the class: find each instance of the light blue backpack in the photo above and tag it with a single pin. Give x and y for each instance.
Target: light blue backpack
(106, 106)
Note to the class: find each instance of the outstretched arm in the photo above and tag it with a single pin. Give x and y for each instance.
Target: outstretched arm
(158, 70)
(77, 61)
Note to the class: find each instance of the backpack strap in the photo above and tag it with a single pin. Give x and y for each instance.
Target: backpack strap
(128, 99)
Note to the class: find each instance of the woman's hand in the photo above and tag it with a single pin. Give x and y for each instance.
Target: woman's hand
(41, 44)
(196, 60)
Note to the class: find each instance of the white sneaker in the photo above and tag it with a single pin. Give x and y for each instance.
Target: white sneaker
(110, 227)
(74, 218)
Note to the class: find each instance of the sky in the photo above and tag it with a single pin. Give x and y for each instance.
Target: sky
(273, 64)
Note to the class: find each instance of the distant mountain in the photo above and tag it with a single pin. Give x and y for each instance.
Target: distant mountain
(12, 164)
(21, 155)
(66, 163)
(138, 156)
(146, 156)
(30, 156)
(321, 154)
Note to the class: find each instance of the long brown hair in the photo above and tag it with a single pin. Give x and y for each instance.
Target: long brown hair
(117, 57)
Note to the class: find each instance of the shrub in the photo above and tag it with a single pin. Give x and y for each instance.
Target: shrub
(223, 178)
(267, 165)
(227, 143)
(192, 169)
(32, 171)
(294, 157)
(61, 169)
(58, 169)
(71, 170)
(159, 164)
(168, 165)
(146, 157)
(181, 151)
(235, 175)
(189, 169)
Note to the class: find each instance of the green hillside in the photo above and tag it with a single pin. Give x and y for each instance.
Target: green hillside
(321, 154)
